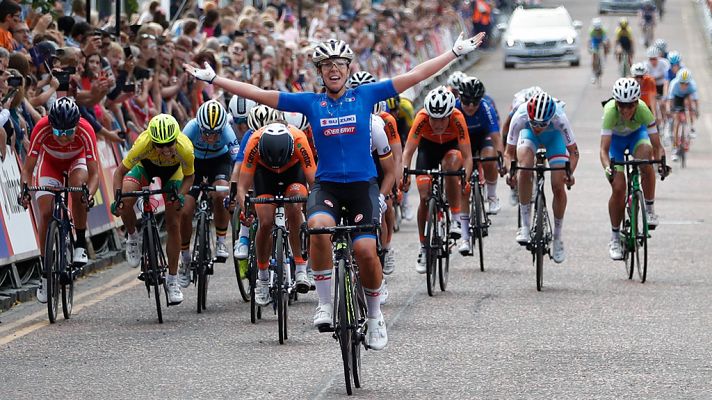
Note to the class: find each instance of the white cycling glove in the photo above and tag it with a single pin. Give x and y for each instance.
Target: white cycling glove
(463, 46)
(204, 74)
(382, 203)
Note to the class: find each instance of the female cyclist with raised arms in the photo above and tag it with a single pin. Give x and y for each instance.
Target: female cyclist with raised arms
(346, 175)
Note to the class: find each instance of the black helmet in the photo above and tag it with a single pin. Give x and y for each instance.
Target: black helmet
(472, 88)
(64, 114)
(276, 145)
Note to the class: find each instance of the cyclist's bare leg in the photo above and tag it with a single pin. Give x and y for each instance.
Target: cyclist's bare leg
(222, 216)
(77, 178)
(186, 221)
(525, 158)
(489, 168)
(368, 263)
(453, 189)
(128, 216)
(558, 187)
(644, 151)
(294, 222)
(389, 222)
(263, 239)
(616, 203)
(320, 252)
(45, 207)
(423, 183)
(173, 219)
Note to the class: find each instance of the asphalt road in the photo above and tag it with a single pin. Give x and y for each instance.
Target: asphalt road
(591, 333)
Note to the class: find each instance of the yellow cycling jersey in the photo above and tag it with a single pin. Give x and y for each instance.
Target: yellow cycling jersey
(624, 32)
(143, 149)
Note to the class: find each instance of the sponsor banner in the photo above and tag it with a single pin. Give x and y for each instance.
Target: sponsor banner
(17, 236)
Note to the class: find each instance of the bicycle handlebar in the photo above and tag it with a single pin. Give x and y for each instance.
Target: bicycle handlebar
(57, 189)
(343, 229)
(278, 200)
(663, 169)
(436, 172)
(118, 195)
(208, 188)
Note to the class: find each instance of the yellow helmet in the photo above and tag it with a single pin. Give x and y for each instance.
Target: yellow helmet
(623, 22)
(163, 128)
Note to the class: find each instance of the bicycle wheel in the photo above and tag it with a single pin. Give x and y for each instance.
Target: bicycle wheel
(628, 243)
(682, 146)
(359, 300)
(201, 233)
(255, 311)
(241, 277)
(149, 237)
(52, 259)
(539, 240)
(398, 216)
(444, 259)
(67, 272)
(343, 322)
(480, 223)
(279, 298)
(432, 244)
(641, 238)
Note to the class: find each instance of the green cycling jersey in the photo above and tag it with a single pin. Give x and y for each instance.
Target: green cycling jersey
(613, 124)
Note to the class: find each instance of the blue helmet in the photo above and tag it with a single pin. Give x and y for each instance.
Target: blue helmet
(674, 57)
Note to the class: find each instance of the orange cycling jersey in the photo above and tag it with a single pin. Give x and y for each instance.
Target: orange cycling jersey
(456, 129)
(648, 90)
(391, 128)
(301, 154)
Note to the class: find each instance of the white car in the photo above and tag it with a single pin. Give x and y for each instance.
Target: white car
(541, 35)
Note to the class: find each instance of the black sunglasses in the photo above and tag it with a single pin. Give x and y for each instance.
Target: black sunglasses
(467, 101)
(164, 145)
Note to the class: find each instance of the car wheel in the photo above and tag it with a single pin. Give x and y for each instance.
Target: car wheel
(508, 65)
(575, 63)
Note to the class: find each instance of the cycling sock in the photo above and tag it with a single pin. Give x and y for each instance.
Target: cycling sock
(465, 221)
(221, 239)
(81, 238)
(373, 302)
(185, 256)
(615, 233)
(558, 225)
(650, 206)
(171, 278)
(526, 213)
(134, 235)
(301, 267)
(263, 271)
(220, 233)
(491, 190)
(322, 281)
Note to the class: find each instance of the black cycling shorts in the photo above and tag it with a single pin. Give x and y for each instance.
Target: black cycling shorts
(214, 169)
(359, 198)
(479, 142)
(430, 154)
(271, 183)
(678, 103)
(659, 89)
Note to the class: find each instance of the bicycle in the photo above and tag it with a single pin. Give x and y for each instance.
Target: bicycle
(437, 228)
(153, 259)
(349, 325)
(624, 64)
(241, 273)
(201, 264)
(597, 65)
(683, 137)
(635, 232)
(59, 269)
(479, 218)
(541, 236)
(647, 28)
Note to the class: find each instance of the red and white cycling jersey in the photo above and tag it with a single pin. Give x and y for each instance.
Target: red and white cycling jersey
(42, 140)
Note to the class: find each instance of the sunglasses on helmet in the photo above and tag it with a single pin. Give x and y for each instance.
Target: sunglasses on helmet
(63, 132)
(539, 124)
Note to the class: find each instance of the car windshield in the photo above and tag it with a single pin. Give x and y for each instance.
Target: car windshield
(539, 20)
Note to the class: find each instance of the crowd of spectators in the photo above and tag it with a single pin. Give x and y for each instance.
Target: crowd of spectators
(120, 81)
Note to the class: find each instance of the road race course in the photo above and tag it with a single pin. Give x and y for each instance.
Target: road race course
(590, 333)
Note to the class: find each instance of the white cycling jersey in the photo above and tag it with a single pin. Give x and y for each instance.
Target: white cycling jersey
(658, 72)
(520, 120)
(379, 139)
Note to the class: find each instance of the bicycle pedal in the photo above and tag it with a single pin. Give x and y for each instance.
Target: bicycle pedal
(141, 277)
(220, 260)
(324, 328)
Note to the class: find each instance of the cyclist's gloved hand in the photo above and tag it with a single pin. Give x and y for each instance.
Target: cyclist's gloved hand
(206, 74)
(609, 174)
(382, 203)
(115, 207)
(664, 171)
(463, 46)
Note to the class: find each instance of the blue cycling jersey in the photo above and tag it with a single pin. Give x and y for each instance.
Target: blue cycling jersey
(341, 129)
(671, 75)
(203, 150)
(493, 106)
(677, 91)
(243, 144)
(482, 122)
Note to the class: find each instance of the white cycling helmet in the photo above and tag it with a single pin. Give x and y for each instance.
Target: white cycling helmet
(262, 115)
(211, 116)
(684, 75)
(638, 69)
(240, 107)
(653, 52)
(455, 79)
(440, 102)
(596, 23)
(332, 48)
(531, 92)
(661, 44)
(297, 120)
(379, 107)
(360, 78)
(626, 90)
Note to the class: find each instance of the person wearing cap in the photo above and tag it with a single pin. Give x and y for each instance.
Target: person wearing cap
(340, 120)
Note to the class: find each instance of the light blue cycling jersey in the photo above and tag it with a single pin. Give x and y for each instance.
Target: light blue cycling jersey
(676, 89)
(203, 150)
(341, 129)
(243, 144)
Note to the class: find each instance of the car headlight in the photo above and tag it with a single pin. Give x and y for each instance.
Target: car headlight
(512, 43)
(570, 40)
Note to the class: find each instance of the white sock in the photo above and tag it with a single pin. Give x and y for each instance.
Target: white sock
(185, 255)
(526, 213)
(491, 189)
(465, 221)
(615, 233)
(221, 239)
(171, 278)
(558, 225)
(322, 281)
(263, 274)
(244, 231)
(373, 302)
(301, 268)
(134, 235)
(650, 206)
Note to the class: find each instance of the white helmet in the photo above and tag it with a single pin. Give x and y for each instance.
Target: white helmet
(626, 90)
(211, 116)
(262, 115)
(653, 52)
(440, 102)
(297, 120)
(531, 92)
(597, 23)
(332, 48)
(379, 107)
(360, 78)
(638, 69)
(240, 107)
(455, 79)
